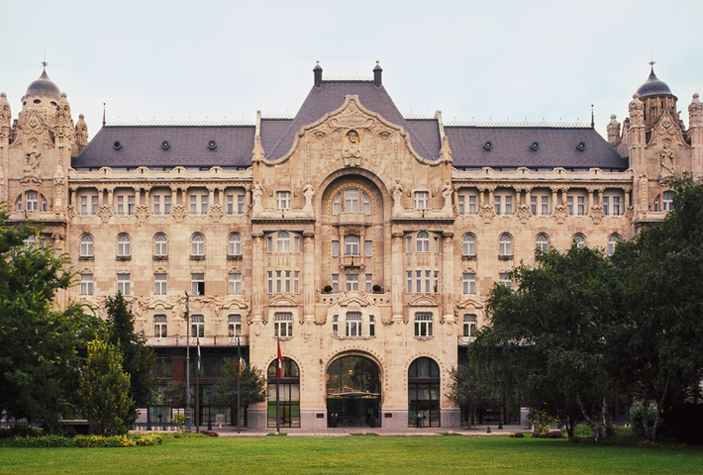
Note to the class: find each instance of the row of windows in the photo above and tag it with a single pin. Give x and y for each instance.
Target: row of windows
(31, 201)
(540, 205)
(198, 204)
(352, 282)
(124, 246)
(124, 284)
(505, 244)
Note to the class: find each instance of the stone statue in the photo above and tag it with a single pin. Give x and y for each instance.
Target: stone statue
(81, 133)
(666, 158)
(352, 150)
(636, 109)
(5, 114)
(309, 193)
(613, 131)
(257, 191)
(33, 155)
(695, 112)
(447, 191)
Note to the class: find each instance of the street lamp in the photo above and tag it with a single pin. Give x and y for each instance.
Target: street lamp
(187, 317)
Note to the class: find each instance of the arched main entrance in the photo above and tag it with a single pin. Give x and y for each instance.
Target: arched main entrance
(288, 394)
(353, 392)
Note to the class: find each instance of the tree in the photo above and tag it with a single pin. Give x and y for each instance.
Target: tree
(105, 391)
(252, 385)
(470, 386)
(138, 359)
(559, 335)
(174, 394)
(40, 344)
(663, 269)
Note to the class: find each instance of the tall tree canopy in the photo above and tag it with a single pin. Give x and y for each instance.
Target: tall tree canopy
(252, 385)
(40, 360)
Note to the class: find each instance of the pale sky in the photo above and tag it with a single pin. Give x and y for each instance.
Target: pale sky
(482, 60)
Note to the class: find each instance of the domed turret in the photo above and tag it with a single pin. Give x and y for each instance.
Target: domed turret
(653, 87)
(44, 86)
(657, 98)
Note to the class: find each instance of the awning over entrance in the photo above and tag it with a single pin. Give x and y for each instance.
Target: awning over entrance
(353, 394)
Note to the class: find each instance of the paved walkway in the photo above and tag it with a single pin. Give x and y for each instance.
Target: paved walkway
(231, 431)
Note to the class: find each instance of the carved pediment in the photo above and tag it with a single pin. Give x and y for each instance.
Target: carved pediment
(424, 302)
(283, 302)
(667, 128)
(30, 182)
(354, 299)
(159, 304)
(236, 302)
(469, 302)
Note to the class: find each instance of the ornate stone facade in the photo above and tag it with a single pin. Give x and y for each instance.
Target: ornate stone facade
(354, 234)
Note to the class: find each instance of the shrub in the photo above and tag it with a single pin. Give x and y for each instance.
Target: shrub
(550, 434)
(517, 435)
(43, 441)
(636, 415)
(147, 439)
(210, 433)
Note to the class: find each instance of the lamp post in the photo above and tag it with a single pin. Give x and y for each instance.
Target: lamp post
(187, 317)
(209, 419)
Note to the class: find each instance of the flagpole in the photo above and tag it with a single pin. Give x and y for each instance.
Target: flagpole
(278, 383)
(188, 360)
(197, 391)
(239, 376)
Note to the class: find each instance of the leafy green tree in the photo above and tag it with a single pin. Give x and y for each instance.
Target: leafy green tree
(663, 270)
(40, 343)
(559, 334)
(252, 385)
(105, 391)
(471, 386)
(138, 360)
(174, 394)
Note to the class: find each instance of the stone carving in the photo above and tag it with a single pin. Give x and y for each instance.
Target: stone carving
(630, 212)
(597, 214)
(142, 213)
(352, 149)
(447, 191)
(216, 213)
(30, 182)
(560, 213)
(309, 194)
(613, 129)
(81, 133)
(666, 127)
(695, 112)
(397, 194)
(5, 113)
(179, 213)
(33, 156)
(63, 116)
(257, 191)
(666, 159)
(524, 213)
(487, 213)
(105, 213)
(636, 108)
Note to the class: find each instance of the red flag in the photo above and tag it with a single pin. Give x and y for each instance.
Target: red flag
(198, 340)
(280, 359)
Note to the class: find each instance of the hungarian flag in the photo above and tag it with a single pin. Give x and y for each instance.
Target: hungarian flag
(198, 339)
(280, 360)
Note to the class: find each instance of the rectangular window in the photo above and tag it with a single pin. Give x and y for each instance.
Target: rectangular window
(193, 204)
(269, 244)
(497, 201)
(469, 284)
(422, 199)
(469, 326)
(473, 204)
(418, 282)
(283, 199)
(372, 326)
(296, 282)
(423, 324)
(606, 207)
(335, 248)
(436, 245)
(335, 327)
(533, 205)
(197, 282)
(410, 282)
(545, 205)
(508, 205)
(616, 206)
(160, 284)
(353, 324)
(283, 325)
(279, 282)
(570, 205)
(436, 282)
(120, 205)
(167, 204)
(351, 201)
(123, 284)
(505, 280)
(157, 204)
(130, 204)
(235, 204)
(86, 284)
(162, 204)
(368, 281)
(197, 327)
(234, 286)
(667, 201)
(428, 279)
(581, 205)
(296, 244)
(352, 282)
(368, 248)
(203, 204)
(235, 325)
(94, 205)
(335, 283)
(461, 204)
(269, 282)
(199, 204)
(160, 326)
(409, 244)
(286, 282)
(83, 208)
(229, 206)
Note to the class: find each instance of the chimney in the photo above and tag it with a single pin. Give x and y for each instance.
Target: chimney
(317, 71)
(377, 75)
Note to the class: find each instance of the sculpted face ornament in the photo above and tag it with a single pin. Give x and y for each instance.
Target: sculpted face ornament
(352, 150)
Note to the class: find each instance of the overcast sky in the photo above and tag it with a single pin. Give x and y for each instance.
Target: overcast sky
(480, 60)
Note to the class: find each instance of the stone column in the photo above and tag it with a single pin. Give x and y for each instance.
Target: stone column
(448, 276)
(397, 255)
(590, 199)
(258, 281)
(627, 197)
(528, 199)
(309, 277)
(555, 199)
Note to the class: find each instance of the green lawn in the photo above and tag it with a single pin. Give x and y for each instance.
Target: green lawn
(362, 455)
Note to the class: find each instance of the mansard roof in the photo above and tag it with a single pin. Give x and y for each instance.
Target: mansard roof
(532, 147)
(329, 96)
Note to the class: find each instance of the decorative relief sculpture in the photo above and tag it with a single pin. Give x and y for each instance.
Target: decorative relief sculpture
(666, 159)
(352, 149)
(5, 114)
(33, 156)
(487, 212)
(309, 194)
(695, 112)
(447, 192)
(560, 213)
(636, 108)
(105, 213)
(81, 133)
(597, 214)
(524, 213)
(216, 213)
(613, 129)
(63, 116)
(257, 191)
(179, 213)
(142, 213)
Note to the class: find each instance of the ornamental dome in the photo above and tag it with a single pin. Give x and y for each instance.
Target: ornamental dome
(653, 87)
(44, 86)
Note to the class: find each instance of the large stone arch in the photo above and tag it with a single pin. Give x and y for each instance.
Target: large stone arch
(353, 389)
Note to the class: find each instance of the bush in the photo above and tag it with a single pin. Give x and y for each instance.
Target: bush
(89, 441)
(210, 433)
(147, 439)
(43, 441)
(517, 435)
(550, 434)
(636, 415)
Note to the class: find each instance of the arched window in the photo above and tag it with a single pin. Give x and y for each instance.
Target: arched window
(197, 246)
(124, 246)
(580, 241)
(288, 393)
(423, 393)
(613, 241)
(423, 242)
(351, 246)
(160, 246)
(33, 201)
(283, 242)
(234, 247)
(542, 243)
(468, 245)
(86, 246)
(505, 246)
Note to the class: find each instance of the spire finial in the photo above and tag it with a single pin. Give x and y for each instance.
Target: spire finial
(103, 114)
(651, 65)
(44, 63)
(593, 122)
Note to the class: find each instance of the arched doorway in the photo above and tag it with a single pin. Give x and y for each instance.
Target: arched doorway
(353, 392)
(423, 393)
(288, 394)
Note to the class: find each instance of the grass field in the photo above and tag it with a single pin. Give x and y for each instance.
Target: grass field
(357, 455)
